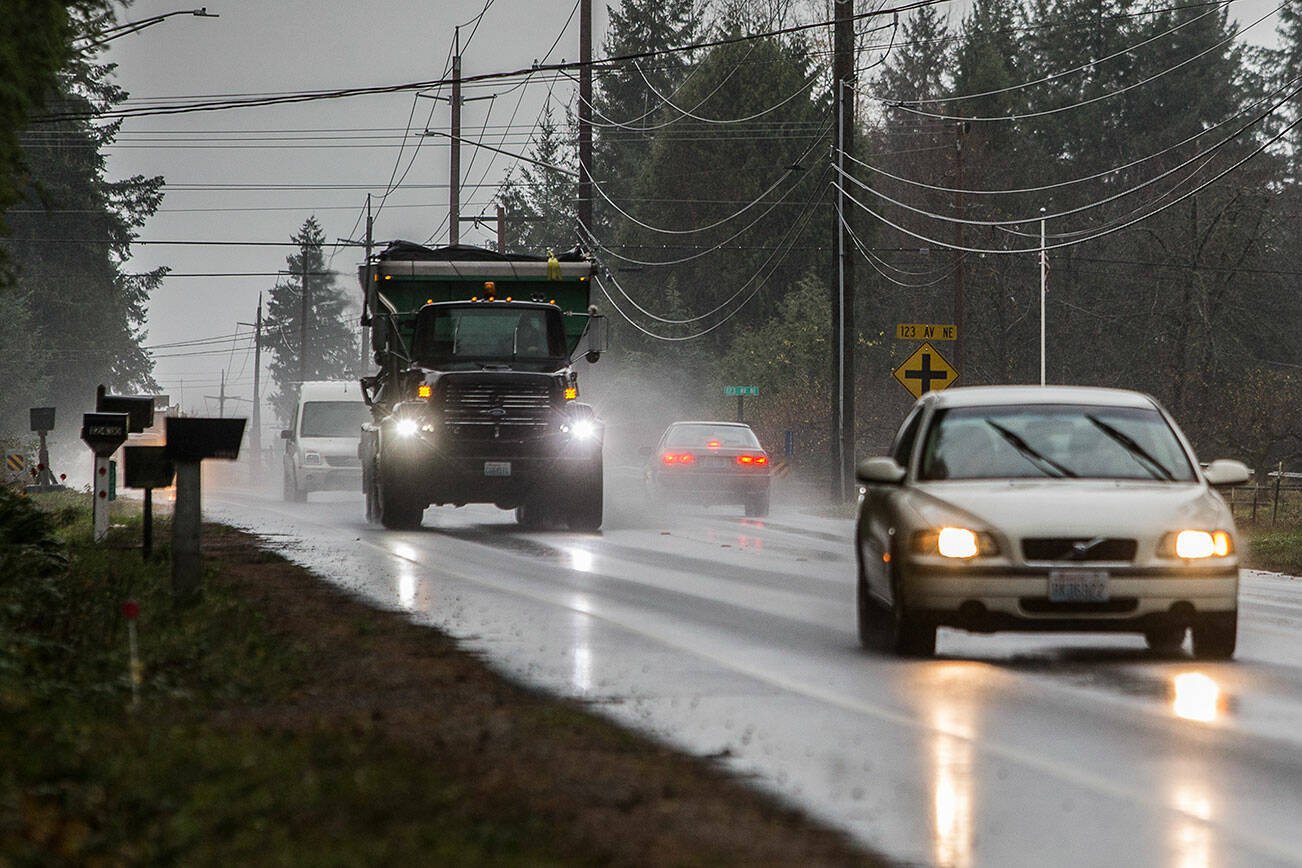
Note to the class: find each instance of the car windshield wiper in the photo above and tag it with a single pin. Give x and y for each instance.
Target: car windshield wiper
(1141, 456)
(1056, 469)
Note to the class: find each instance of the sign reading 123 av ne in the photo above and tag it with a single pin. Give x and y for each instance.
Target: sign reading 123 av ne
(925, 371)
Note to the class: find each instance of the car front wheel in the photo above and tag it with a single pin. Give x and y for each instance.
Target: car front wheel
(1215, 636)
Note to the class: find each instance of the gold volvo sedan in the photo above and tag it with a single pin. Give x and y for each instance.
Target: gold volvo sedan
(1045, 508)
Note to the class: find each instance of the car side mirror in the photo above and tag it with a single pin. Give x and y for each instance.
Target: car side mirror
(645, 451)
(286, 434)
(879, 471)
(1227, 471)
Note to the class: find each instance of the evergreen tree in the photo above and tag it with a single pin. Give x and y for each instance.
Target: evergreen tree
(332, 344)
(540, 205)
(70, 238)
(626, 105)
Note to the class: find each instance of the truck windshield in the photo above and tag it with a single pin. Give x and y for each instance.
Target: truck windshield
(334, 418)
(460, 338)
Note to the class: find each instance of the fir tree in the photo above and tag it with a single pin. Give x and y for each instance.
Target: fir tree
(332, 344)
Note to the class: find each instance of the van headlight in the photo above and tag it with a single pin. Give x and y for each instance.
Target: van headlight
(313, 458)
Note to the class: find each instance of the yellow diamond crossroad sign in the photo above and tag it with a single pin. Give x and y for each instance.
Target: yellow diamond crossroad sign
(925, 371)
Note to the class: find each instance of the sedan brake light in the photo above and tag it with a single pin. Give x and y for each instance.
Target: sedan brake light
(678, 458)
(753, 460)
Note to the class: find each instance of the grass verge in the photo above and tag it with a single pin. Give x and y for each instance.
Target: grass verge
(283, 723)
(1275, 547)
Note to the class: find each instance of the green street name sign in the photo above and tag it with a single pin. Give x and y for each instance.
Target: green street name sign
(751, 391)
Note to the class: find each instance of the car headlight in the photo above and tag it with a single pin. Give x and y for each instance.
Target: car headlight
(311, 457)
(583, 429)
(406, 427)
(954, 542)
(1198, 544)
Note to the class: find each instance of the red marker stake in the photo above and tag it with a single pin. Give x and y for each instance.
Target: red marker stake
(130, 609)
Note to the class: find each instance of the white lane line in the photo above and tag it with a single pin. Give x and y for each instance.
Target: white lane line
(631, 622)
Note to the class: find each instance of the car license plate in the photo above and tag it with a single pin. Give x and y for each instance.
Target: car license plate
(497, 468)
(1078, 586)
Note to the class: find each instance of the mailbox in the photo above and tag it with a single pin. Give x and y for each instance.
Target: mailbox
(147, 467)
(139, 410)
(42, 418)
(195, 438)
(104, 432)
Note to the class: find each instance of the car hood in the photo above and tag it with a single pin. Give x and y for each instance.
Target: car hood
(1069, 507)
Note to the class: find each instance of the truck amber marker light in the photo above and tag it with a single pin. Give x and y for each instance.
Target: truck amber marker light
(424, 390)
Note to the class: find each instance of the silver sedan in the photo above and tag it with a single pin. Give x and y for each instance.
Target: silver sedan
(1045, 508)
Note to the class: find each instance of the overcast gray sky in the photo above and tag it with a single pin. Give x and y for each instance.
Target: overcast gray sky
(214, 167)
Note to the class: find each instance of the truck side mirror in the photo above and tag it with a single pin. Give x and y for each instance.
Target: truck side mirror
(598, 337)
(379, 333)
(286, 434)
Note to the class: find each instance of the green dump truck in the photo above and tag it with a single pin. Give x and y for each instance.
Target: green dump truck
(476, 399)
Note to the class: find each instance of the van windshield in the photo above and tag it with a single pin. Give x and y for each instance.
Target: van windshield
(334, 418)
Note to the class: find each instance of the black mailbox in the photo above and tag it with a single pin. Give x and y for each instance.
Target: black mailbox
(104, 432)
(147, 467)
(42, 418)
(140, 410)
(195, 438)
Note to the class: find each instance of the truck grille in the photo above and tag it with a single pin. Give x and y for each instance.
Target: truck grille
(496, 410)
(1065, 549)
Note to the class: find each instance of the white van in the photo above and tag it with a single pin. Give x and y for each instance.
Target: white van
(321, 444)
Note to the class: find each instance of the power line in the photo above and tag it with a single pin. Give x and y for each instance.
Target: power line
(207, 104)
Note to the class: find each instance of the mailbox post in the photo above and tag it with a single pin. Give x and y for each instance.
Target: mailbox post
(147, 467)
(42, 419)
(103, 433)
(190, 440)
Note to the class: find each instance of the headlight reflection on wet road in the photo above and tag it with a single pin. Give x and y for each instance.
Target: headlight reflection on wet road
(1197, 697)
(953, 715)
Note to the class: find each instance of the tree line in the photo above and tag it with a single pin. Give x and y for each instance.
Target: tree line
(1159, 143)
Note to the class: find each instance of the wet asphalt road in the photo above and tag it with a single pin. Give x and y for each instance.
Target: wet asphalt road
(735, 638)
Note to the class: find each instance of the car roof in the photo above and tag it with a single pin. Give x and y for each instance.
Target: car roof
(980, 396)
(709, 422)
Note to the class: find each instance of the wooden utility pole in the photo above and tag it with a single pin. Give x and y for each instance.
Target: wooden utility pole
(302, 317)
(255, 440)
(843, 330)
(454, 177)
(585, 119)
(960, 304)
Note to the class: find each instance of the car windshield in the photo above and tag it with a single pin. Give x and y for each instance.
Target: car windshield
(461, 338)
(334, 418)
(706, 435)
(1059, 441)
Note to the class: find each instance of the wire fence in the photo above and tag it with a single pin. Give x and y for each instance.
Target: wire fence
(1275, 499)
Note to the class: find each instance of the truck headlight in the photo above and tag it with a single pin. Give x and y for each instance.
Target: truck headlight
(406, 427)
(583, 429)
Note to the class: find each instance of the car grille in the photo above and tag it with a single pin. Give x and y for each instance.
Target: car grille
(1065, 549)
(493, 410)
(343, 461)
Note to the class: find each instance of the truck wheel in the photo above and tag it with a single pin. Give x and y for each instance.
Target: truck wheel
(368, 488)
(293, 494)
(585, 500)
(398, 509)
(531, 515)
